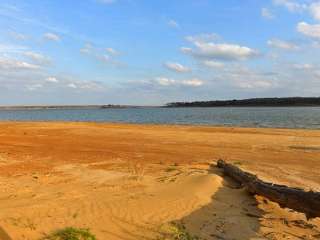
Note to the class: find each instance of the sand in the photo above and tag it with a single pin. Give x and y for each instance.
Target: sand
(139, 181)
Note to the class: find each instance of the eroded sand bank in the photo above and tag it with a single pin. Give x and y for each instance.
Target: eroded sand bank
(131, 181)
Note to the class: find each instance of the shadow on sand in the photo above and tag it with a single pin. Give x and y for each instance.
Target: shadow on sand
(231, 214)
(4, 235)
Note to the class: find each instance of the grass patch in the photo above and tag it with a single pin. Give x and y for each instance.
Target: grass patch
(175, 231)
(71, 233)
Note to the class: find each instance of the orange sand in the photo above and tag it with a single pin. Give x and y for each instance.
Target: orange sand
(132, 181)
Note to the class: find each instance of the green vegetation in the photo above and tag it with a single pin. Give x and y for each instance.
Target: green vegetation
(71, 233)
(175, 231)
(253, 102)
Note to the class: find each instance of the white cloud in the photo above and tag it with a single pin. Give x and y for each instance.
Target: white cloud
(213, 64)
(193, 82)
(177, 67)
(52, 37)
(312, 6)
(206, 48)
(285, 45)
(292, 6)
(186, 50)
(34, 87)
(253, 85)
(52, 80)
(103, 55)
(8, 48)
(18, 78)
(315, 10)
(172, 23)
(245, 78)
(165, 81)
(266, 13)
(90, 85)
(309, 30)
(222, 51)
(304, 66)
(18, 36)
(37, 58)
(12, 64)
(84, 85)
(71, 85)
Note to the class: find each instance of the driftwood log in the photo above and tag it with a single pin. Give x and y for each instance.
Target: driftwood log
(294, 198)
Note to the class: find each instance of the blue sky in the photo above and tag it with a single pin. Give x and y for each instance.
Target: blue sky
(154, 52)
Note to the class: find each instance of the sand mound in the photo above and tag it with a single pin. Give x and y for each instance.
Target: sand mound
(120, 205)
(112, 204)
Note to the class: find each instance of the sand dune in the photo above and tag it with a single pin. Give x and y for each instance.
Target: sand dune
(137, 181)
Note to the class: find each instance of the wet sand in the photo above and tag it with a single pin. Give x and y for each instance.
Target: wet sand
(134, 181)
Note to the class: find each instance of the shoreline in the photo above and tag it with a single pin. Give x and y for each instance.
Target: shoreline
(158, 124)
(84, 107)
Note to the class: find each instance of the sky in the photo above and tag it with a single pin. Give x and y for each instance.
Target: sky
(142, 52)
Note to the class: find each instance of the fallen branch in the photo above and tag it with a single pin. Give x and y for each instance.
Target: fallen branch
(294, 198)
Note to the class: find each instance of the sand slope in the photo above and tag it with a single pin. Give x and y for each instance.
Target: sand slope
(133, 181)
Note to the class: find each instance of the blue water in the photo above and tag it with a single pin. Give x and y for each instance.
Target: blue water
(283, 117)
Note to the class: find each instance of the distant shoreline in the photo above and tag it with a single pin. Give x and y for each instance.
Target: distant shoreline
(253, 102)
(67, 107)
(80, 107)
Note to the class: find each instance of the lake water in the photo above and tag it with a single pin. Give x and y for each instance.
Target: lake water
(283, 117)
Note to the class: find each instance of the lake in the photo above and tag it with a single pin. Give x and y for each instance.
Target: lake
(280, 117)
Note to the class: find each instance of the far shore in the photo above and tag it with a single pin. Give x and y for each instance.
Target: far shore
(66, 107)
(251, 102)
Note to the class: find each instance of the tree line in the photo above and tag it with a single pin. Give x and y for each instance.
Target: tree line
(252, 102)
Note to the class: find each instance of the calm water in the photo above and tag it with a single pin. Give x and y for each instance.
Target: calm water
(298, 117)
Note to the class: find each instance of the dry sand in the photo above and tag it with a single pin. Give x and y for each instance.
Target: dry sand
(133, 181)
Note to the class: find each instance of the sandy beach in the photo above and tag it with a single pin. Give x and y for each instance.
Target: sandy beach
(144, 181)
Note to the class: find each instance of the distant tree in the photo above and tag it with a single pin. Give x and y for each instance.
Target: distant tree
(252, 102)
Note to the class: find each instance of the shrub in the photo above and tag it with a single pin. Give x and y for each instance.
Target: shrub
(175, 231)
(71, 233)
